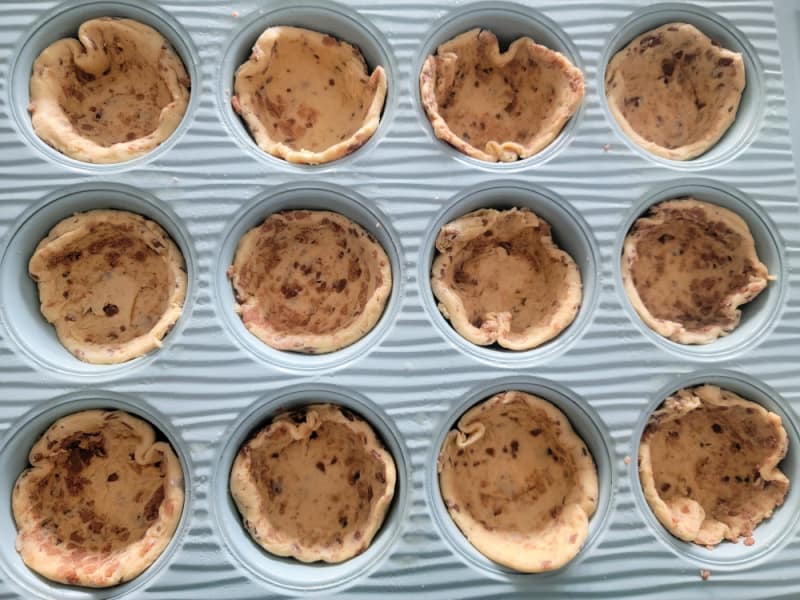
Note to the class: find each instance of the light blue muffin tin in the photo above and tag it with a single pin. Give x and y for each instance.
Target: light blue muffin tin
(212, 383)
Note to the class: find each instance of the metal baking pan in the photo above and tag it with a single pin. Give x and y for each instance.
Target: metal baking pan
(212, 382)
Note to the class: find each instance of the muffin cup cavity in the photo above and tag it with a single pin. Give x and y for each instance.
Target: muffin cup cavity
(19, 296)
(332, 18)
(758, 316)
(286, 574)
(751, 108)
(589, 427)
(14, 449)
(508, 21)
(308, 197)
(771, 534)
(570, 233)
(63, 22)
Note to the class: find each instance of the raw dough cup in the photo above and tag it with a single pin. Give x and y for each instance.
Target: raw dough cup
(497, 106)
(708, 465)
(519, 482)
(308, 97)
(112, 282)
(315, 484)
(687, 266)
(310, 281)
(674, 91)
(100, 502)
(114, 95)
(499, 277)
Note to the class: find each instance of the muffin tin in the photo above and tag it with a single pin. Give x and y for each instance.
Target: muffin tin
(212, 383)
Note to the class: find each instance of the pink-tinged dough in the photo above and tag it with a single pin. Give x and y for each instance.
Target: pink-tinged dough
(100, 501)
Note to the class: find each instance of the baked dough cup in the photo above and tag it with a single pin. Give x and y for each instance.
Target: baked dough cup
(310, 281)
(315, 484)
(519, 482)
(100, 501)
(111, 282)
(708, 465)
(499, 277)
(498, 106)
(115, 93)
(687, 266)
(674, 91)
(307, 97)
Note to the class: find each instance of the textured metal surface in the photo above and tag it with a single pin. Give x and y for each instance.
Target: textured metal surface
(203, 383)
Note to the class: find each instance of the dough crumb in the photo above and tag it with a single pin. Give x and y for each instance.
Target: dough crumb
(749, 541)
(705, 574)
(627, 460)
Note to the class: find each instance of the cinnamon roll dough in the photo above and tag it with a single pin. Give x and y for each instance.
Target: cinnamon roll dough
(687, 266)
(674, 91)
(499, 277)
(315, 484)
(308, 97)
(310, 281)
(519, 482)
(498, 106)
(100, 501)
(708, 464)
(115, 93)
(112, 282)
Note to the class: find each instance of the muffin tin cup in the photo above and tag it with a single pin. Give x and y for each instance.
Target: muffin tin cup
(771, 534)
(315, 196)
(323, 16)
(19, 295)
(570, 233)
(14, 449)
(760, 315)
(751, 108)
(508, 21)
(286, 575)
(589, 427)
(63, 21)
